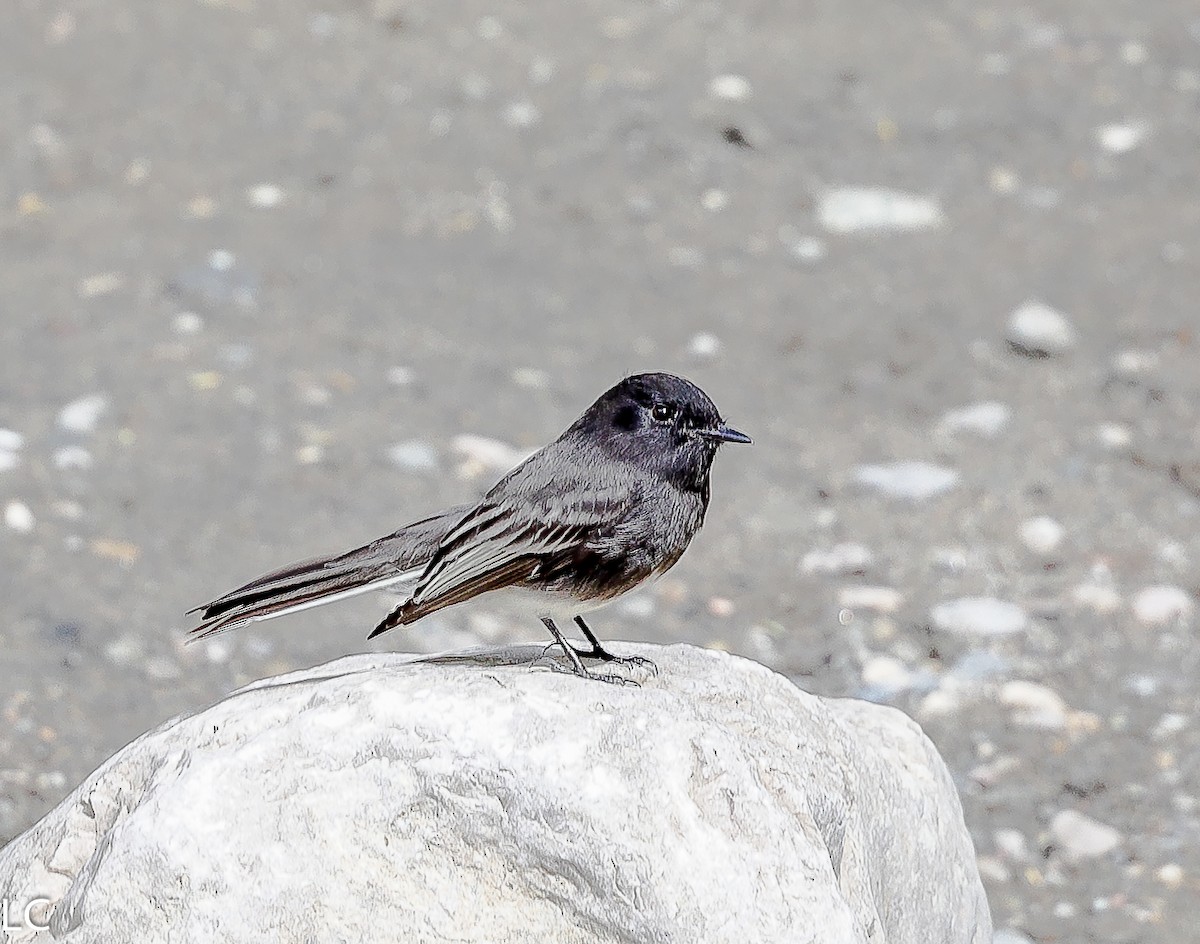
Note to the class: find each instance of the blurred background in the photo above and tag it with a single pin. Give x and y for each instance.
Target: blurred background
(279, 277)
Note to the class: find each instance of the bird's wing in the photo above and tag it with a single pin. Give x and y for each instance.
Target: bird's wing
(508, 536)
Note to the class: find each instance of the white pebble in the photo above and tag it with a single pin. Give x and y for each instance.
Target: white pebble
(1011, 936)
(8, 460)
(637, 605)
(807, 248)
(265, 195)
(1170, 874)
(310, 454)
(18, 517)
(731, 88)
(522, 114)
(720, 606)
(489, 454)
(886, 672)
(1120, 138)
(531, 378)
(11, 440)
(714, 200)
(984, 616)
(1042, 534)
(1081, 837)
(875, 599)
(72, 457)
(221, 260)
(704, 345)
(103, 284)
(1012, 844)
(911, 480)
(1114, 436)
(82, 415)
(877, 209)
(1097, 597)
(1132, 362)
(986, 418)
(847, 558)
(399, 376)
(1033, 705)
(124, 649)
(414, 454)
(1037, 329)
(187, 322)
(1156, 606)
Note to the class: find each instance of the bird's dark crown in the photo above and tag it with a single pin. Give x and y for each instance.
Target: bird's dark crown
(659, 421)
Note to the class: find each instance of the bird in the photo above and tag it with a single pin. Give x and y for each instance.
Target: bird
(611, 503)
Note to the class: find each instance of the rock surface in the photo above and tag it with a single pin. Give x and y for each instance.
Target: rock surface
(477, 798)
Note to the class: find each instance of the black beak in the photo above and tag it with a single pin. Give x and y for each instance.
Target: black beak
(725, 433)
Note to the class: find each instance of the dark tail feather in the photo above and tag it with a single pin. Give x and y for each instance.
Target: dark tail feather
(390, 560)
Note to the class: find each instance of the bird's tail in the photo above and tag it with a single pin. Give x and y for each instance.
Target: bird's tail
(392, 561)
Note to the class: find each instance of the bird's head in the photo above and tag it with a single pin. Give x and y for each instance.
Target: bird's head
(661, 422)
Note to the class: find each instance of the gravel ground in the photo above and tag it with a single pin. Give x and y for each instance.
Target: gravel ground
(278, 277)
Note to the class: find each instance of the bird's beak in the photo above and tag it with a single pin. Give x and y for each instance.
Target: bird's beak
(725, 433)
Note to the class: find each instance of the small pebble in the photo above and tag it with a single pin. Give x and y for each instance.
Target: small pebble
(265, 196)
(82, 415)
(1080, 837)
(1156, 606)
(124, 650)
(1114, 436)
(187, 322)
(1012, 844)
(218, 650)
(11, 440)
(400, 376)
(221, 260)
(984, 616)
(105, 283)
(714, 201)
(483, 454)
(204, 380)
(415, 455)
(161, 669)
(522, 114)
(847, 558)
(1042, 535)
(1120, 138)
(531, 378)
(730, 88)
(1037, 330)
(874, 599)
(1170, 875)
(18, 517)
(720, 606)
(1097, 597)
(704, 346)
(807, 248)
(1034, 705)
(988, 419)
(124, 553)
(915, 481)
(637, 606)
(886, 673)
(310, 454)
(1134, 362)
(72, 457)
(876, 209)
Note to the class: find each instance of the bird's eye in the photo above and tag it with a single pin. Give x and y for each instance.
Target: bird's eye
(663, 412)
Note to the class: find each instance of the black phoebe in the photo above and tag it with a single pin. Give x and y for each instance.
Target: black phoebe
(614, 500)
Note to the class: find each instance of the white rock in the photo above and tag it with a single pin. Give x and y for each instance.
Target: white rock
(845, 558)
(1012, 844)
(886, 672)
(1156, 606)
(18, 517)
(1098, 597)
(1039, 330)
(731, 88)
(187, 322)
(1080, 837)
(1120, 138)
(82, 415)
(476, 801)
(983, 616)
(1034, 705)
(522, 114)
(877, 209)
(1114, 436)
(8, 460)
(1042, 534)
(1011, 936)
(915, 481)
(875, 599)
(11, 441)
(400, 376)
(988, 418)
(414, 454)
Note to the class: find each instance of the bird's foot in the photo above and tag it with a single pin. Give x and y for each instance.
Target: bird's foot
(599, 652)
(578, 669)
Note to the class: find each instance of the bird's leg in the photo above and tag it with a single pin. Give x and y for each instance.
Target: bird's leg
(599, 652)
(577, 665)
